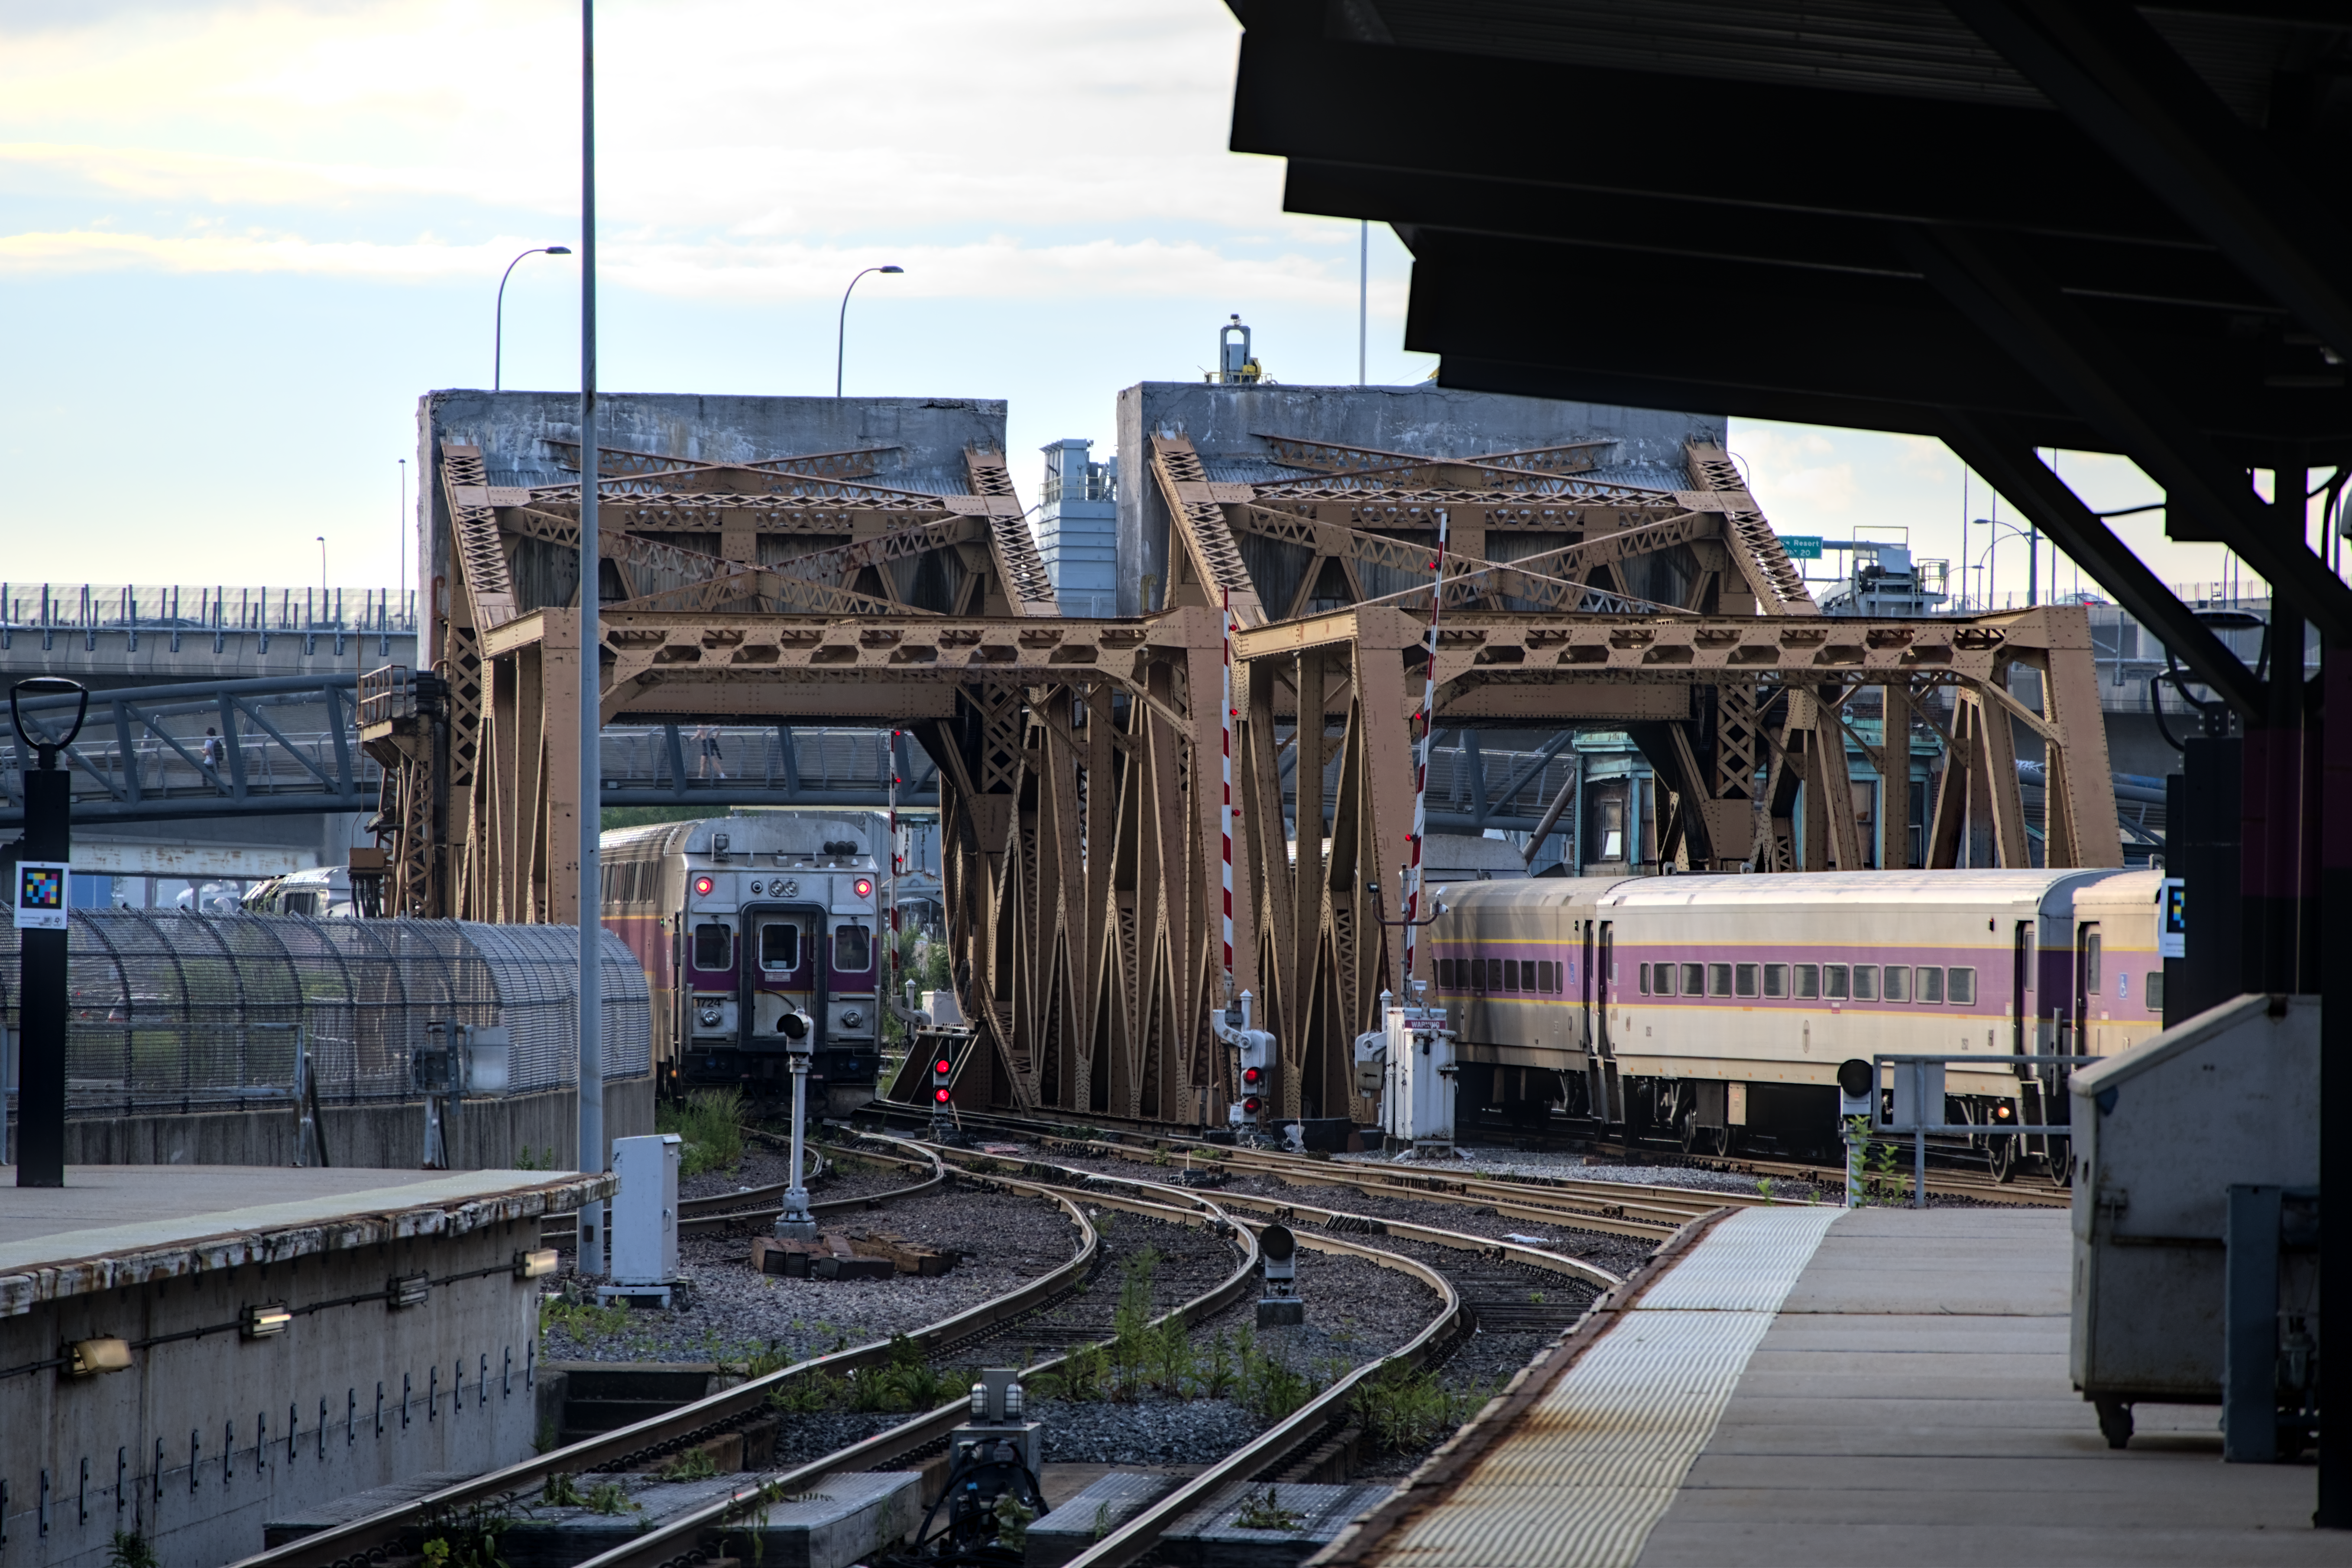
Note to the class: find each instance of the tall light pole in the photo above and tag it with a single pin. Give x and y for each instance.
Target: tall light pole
(322, 564)
(590, 1259)
(499, 327)
(1363, 294)
(400, 532)
(841, 329)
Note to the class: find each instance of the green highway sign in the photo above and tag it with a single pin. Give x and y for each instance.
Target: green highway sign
(1801, 546)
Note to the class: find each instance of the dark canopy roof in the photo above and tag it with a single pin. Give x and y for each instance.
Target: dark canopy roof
(2005, 223)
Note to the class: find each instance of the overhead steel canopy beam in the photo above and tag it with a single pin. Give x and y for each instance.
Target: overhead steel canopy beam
(1754, 146)
(2188, 276)
(2001, 291)
(2001, 455)
(2114, 76)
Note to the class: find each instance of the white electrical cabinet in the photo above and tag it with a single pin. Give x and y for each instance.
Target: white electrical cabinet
(1417, 1078)
(644, 1226)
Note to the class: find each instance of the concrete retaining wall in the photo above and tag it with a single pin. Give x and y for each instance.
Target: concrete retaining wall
(350, 1396)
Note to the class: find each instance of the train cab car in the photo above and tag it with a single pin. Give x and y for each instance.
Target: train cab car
(749, 928)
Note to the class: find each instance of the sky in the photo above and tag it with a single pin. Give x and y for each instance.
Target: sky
(238, 240)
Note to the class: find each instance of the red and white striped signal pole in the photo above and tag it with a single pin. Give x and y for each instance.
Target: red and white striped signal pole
(1428, 717)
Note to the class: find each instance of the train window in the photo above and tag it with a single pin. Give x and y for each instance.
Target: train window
(1809, 982)
(852, 949)
(1493, 975)
(1551, 977)
(1693, 979)
(1510, 975)
(714, 945)
(1931, 984)
(1776, 980)
(2156, 991)
(2091, 962)
(1744, 979)
(1445, 974)
(1834, 980)
(1898, 983)
(1718, 980)
(1865, 982)
(779, 945)
(1961, 988)
(1642, 978)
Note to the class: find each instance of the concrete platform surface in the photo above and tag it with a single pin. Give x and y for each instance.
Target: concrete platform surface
(1886, 1384)
(115, 1225)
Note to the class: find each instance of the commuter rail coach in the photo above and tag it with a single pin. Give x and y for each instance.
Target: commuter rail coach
(748, 927)
(1717, 1008)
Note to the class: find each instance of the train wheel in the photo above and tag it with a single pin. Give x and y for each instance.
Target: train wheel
(1687, 1130)
(2061, 1162)
(2001, 1158)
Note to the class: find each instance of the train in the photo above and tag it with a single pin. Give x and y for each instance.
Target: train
(1716, 1008)
(743, 923)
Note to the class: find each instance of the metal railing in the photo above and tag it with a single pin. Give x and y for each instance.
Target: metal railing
(86, 606)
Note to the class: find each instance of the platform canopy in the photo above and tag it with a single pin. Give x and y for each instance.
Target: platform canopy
(2008, 224)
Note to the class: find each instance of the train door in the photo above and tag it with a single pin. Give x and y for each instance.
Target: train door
(783, 977)
(2086, 988)
(2025, 1026)
(1608, 1092)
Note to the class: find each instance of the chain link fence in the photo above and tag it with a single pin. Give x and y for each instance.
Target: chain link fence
(174, 1011)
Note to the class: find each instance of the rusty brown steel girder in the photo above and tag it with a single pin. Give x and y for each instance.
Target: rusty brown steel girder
(1079, 804)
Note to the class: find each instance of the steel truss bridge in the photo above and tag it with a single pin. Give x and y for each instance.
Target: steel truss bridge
(1076, 757)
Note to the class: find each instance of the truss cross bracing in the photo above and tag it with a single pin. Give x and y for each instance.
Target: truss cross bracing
(1076, 758)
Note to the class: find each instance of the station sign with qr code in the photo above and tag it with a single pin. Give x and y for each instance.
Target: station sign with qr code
(42, 895)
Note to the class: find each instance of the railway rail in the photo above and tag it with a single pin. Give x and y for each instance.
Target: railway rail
(1647, 1211)
(1460, 1284)
(380, 1536)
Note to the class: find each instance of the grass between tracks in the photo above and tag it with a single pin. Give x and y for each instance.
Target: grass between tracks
(711, 1123)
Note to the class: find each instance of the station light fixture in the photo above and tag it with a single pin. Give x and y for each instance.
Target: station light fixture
(88, 1358)
(1014, 1402)
(261, 1321)
(408, 1291)
(536, 1264)
(980, 1402)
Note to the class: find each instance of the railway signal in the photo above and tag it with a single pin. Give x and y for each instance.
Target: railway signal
(1253, 1072)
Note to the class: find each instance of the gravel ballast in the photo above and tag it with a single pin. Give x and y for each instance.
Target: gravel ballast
(731, 1312)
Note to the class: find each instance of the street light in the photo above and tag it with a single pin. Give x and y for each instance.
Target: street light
(2032, 537)
(842, 329)
(499, 331)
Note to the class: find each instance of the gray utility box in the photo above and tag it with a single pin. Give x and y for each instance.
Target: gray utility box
(2161, 1133)
(644, 1226)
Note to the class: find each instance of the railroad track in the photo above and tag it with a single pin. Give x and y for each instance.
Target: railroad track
(1642, 1211)
(717, 1211)
(1488, 1283)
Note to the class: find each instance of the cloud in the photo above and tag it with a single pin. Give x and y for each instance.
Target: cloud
(736, 269)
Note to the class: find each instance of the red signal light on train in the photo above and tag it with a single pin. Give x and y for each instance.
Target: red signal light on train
(702, 886)
(865, 886)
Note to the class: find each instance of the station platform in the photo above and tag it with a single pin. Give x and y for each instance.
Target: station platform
(115, 1225)
(1802, 1385)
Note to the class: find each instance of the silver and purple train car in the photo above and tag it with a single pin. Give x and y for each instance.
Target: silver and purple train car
(740, 921)
(1719, 1007)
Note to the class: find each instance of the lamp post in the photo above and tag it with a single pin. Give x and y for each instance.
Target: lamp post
(2032, 537)
(499, 327)
(841, 329)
